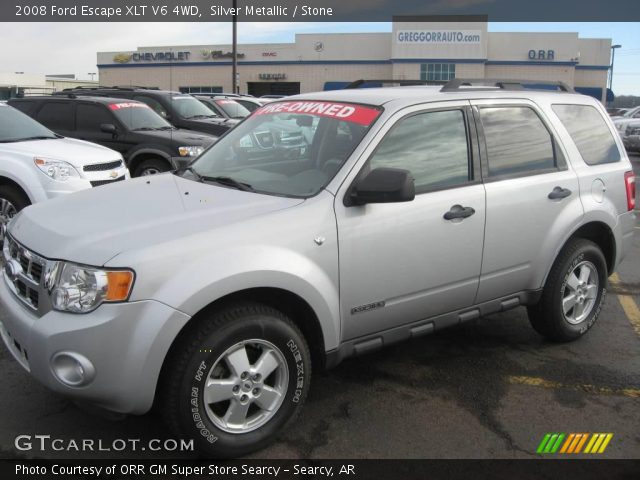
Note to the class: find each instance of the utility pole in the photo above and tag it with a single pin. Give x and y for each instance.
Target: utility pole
(234, 69)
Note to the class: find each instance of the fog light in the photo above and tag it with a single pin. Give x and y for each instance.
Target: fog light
(72, 369)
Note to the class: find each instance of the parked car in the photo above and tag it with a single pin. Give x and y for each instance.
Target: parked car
(147, 141)
(631, 136)
(214, 293)
(36, 164)
(224, 107)
(181, 109)
(621, 122)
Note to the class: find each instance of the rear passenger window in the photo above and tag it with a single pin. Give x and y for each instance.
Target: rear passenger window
(57, 115)
(589, 132)
(517, 141)
(432, 146)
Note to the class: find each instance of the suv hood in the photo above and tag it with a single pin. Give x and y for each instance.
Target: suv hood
(180, 136)
(76, 152)
(92, 226)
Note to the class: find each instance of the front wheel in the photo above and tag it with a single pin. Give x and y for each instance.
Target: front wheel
(151, 166)
(574, 293)
(12, 200)
(236, 380)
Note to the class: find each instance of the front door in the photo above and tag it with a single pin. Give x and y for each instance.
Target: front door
(404, 262)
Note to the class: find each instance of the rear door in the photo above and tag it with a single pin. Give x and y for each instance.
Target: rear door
(533, 198)
(58, 116)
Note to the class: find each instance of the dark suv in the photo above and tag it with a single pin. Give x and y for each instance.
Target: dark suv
(181, 109)
(148, 143)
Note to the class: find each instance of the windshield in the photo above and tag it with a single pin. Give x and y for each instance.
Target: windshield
(15, 126)
(138, 116)
(187, 106)
(288, 148)
(232, 108)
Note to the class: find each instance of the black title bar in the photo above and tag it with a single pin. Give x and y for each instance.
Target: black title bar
(315, 10)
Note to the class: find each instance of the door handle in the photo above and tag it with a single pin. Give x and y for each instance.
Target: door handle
(559, 192)
(458, 211)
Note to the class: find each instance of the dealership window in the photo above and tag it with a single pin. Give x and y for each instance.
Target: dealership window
(437, 72)
(200, 89)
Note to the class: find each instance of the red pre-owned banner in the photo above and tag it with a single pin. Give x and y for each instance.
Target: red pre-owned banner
(340, 111)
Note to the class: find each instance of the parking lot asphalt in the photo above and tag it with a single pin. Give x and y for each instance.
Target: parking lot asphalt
(490, 389)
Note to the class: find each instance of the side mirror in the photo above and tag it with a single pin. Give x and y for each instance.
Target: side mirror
(109, 128)
(382, 185)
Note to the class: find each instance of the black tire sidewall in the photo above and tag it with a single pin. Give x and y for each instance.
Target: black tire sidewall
(192, 414)
(18, 199)
(589, 252)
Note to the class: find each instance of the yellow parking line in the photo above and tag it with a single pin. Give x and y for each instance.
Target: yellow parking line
(629, 306)
(593, 389)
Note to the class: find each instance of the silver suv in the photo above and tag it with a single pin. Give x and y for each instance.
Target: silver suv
(212, 292)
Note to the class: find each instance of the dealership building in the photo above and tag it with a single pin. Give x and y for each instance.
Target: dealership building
(425, 50)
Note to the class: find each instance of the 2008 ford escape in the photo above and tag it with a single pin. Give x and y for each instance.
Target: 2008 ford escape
(213, 291)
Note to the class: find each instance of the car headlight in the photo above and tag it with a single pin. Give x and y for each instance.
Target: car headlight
(56, 169)
(81, 289)
(191, 151)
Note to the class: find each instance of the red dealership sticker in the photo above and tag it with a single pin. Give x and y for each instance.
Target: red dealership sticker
(225, 102)
(340, 111)
(118, 106)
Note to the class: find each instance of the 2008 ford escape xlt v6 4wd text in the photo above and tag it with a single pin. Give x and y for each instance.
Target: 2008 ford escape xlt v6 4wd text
(213, 291)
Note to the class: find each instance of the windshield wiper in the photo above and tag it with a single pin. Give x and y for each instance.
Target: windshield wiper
(229, 182)
(143, 129)
(168, 127)
(26, 139)
(200, 116)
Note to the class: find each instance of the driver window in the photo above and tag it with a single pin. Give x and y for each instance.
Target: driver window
(433, 146)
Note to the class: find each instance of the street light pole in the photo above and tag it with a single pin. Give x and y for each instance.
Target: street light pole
(613, 57)
(234, 69)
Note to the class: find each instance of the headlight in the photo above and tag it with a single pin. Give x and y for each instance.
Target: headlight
(192, 151)
(81, 289)
(56, 169)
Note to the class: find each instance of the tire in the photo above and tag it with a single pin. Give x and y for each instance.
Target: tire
(12, 200)
(556, 316)
(201, 355)
(151, 166)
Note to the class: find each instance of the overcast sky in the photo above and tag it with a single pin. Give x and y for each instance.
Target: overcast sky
(57, 48)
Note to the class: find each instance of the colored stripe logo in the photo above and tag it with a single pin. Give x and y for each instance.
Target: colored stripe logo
(574, 443)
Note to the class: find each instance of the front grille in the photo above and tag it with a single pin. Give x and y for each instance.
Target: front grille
(101, 167)
(98, 183)
(24, 273)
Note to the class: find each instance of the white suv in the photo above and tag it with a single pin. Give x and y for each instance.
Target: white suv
(36, 164)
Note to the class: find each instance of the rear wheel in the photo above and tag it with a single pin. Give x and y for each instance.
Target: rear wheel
(574, 293)
(12, 200)
(151, 166)
(236, 379)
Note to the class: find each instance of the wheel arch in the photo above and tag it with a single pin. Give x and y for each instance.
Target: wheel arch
(145, 154)
(5, 180)
(289, 303)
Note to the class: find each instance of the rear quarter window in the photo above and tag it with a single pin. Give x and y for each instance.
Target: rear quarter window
(589, 132)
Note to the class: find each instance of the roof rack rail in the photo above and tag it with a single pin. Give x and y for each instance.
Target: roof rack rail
(460, 84)
(399, 82)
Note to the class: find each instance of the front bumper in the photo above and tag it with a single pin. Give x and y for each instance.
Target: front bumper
(126, 344)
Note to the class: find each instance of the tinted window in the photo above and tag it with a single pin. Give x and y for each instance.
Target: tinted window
(432, 146)
(517, 141)
(15, 126)
(57, 115)
(589, 132)
(90, 117)
(154, 104)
